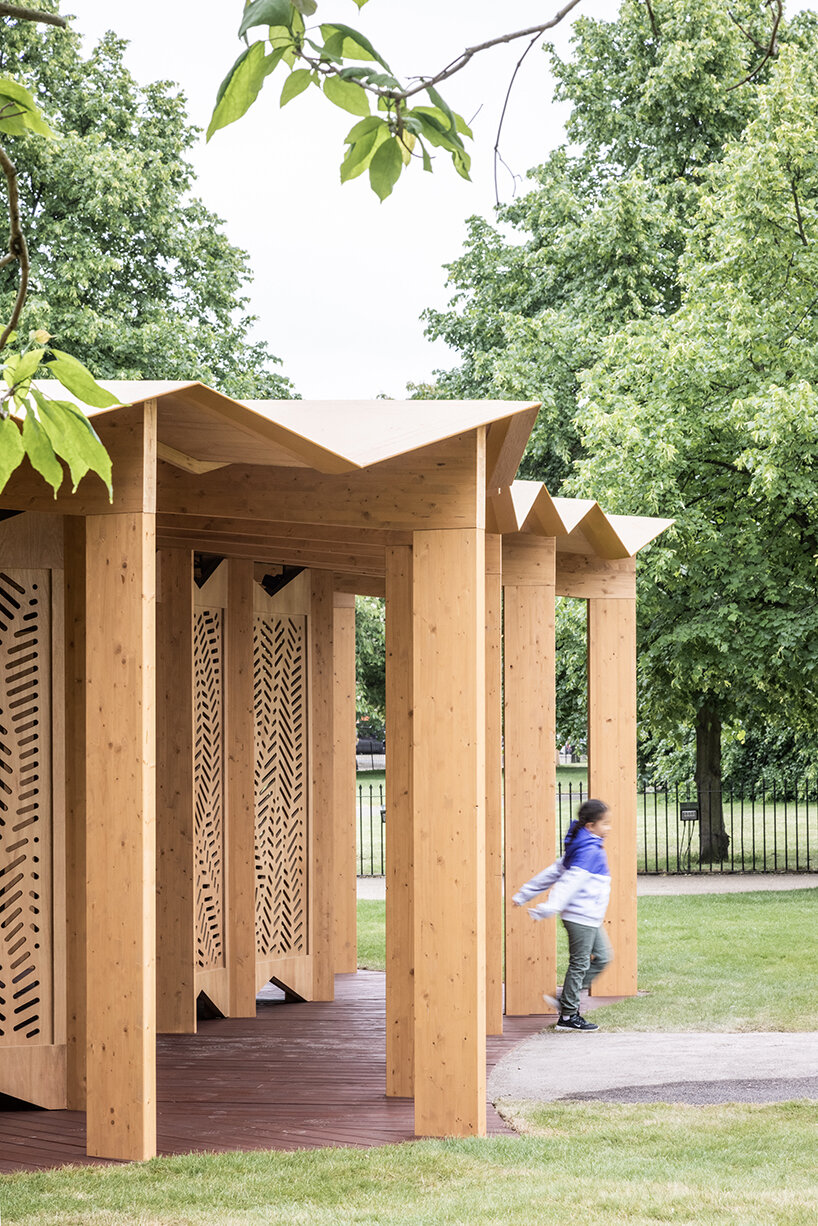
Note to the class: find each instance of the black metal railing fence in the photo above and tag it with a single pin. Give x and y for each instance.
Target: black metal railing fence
(767, 829)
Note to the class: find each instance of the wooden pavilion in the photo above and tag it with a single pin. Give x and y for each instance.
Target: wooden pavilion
(177, 726)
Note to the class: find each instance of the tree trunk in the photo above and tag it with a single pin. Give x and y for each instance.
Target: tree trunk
(713, 838)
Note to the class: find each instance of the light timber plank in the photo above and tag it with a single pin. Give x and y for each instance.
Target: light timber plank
(530, 767)
(175, 876)
(301, 534)
(494, 786)
(32, 540)
(240, 790)
(367, 562)
(400, 960)
(75, 767)
(361, 585)
(58, 789)
(428, 488)
(132, 449)
(345, 906)
(121, 875)
(587, 577)
(35, 1074)
(612, 774)
(322, 774)
(449, 791)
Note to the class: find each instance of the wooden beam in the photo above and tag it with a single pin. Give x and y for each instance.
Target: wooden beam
(429, 487)
(121, 792)
(365, 561)
(360, 585)
(322, 773)
(449, 788)
(240, 830)
(400, 953)
(612, 774)
(345, 905)
(530, 763)
(75, 774)
(306, 535)
(586, 577)
(132, 449)
(175, 875)
(494, 786)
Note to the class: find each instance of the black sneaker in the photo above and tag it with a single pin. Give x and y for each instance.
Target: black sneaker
(577, 1022)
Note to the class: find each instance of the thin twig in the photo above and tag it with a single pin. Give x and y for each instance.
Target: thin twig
(750, 37)
(798, 216)
(462, 60)
(497, 157)
(652, 16)
(23, 13)
(18, 248)
(770, 50)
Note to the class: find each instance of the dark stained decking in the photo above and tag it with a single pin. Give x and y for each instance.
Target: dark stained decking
(296, 1076)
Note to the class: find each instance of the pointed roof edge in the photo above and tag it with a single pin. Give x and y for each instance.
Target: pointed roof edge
(340, 436)
(528, 507)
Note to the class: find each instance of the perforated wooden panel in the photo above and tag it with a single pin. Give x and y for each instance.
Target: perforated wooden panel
(280, 704)
(26, 941)
(208, 773)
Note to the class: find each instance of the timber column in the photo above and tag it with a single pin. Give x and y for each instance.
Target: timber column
(494, 785)
(612, 769)
(400, 851)
(120, 561)
(530, 762)
(345, 905)
(449, 792)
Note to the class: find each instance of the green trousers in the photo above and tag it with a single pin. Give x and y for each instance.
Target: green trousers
(589, 952)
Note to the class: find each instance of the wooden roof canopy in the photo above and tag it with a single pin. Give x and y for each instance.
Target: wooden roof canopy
(395, 447)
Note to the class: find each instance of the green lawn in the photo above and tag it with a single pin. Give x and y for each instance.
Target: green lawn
(599, 1164)
(707, 962)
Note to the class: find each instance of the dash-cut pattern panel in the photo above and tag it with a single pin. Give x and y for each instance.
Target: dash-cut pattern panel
(26, 940)
(280, 709)
(208, 783)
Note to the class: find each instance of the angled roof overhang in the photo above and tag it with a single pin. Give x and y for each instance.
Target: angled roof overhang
(201, 429)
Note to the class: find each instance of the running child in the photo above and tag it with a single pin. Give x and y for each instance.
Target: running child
(580, 885)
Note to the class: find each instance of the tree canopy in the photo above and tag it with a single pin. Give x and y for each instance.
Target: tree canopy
(662, 304)
(129, 270)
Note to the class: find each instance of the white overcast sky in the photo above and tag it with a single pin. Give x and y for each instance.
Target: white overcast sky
(340, 280)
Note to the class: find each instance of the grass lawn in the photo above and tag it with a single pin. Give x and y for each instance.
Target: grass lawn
(708, 962)
(599, 1163)
(715, 962)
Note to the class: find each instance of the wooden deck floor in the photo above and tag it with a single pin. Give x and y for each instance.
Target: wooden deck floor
(297, 1076)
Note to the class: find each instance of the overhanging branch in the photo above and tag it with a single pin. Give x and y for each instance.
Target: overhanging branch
(22, 13)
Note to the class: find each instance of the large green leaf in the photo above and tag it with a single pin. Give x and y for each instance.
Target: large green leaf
(361, 151)
(76, 379)
(18, 371)
(296, 83)
(19, 112)
(73, 438)
(305, 7)
(266, 13)
(240, 88)
(341, 40)
(385, 168)
(40, 452)
(11, 448)
(346, 94)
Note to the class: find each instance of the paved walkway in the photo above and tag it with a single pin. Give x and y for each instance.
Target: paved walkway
(680, 1068)
(702, 883)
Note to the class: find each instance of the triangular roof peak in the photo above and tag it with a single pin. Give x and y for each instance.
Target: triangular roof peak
(202, 428)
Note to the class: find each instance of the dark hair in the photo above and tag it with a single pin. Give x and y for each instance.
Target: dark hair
(590, 811)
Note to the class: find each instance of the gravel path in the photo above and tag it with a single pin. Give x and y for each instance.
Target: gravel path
(706, 883)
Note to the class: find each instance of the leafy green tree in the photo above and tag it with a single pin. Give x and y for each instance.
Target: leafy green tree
(370, 662)
(598, 239)
(711, 415)
(128, 271)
